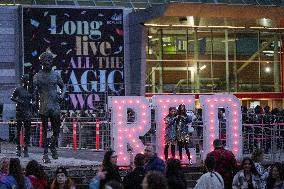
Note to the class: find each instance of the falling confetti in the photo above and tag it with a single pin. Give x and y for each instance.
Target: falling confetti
(45, 13)
(83, 12)
(119, 50)
(63, 43)
(52, 28)
(34, 23)
(34, 53)
(111, 37)
(27, 64)
(46, 40)
(66, 14)
(100, 15)
(119, 31)
(49, 50)
(68, 51)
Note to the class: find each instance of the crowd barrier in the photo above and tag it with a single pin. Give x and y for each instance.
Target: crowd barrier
(95, 133)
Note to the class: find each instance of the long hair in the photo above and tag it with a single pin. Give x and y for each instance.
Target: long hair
(253, 169)
(170, 109)
(68, 184)
(156, 180)
(271, 181)
(34, 168)
(179, 111)
(15, 170)
(106, 160)
(4, 167)
(173, 167)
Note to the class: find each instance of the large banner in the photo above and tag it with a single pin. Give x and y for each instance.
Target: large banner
(88, 49)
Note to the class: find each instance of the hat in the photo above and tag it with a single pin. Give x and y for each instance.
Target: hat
(61, 170)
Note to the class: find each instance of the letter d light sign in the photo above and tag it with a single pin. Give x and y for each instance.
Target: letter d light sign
(210, 105)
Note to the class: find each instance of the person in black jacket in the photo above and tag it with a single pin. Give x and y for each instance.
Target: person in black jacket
(174, 175)
(134, 178)
(110, 167)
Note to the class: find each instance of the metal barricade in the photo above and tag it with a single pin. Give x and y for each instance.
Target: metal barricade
(95, 133)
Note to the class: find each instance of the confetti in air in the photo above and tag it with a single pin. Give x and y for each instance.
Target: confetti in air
(45, 13)
(66, 14)
(119, 50)
(68, 51)
(46, 40)
(100, 15)
(119, 31)
(34, 23)
(83, 12)
(63, 43)
(34, 53)
(112, 38)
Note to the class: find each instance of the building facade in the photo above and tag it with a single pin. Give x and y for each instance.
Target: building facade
(191, 47)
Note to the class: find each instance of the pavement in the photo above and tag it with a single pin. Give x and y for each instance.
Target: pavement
(67, 156)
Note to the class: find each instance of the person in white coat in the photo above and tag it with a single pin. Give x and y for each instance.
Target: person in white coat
(247, 177)
(211, 179)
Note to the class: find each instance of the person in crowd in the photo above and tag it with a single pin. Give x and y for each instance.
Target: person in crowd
(15, 178)
(24, 102)
(170, 135)
(174, 175)
(182, 131)
(226, 163)
(61, 181)
(110, 167)
(46, 82)
(95, 181)
(276, 177)
(211, 179)
(153, 162)
(134, 178)
(154, 180)
(257, 157)
(113, 185)
(4, 167)
(35, 172)
(247, 177)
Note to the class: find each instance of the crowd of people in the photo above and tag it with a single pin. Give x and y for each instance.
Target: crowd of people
(13, 176)
(151, 172)
(223, 172)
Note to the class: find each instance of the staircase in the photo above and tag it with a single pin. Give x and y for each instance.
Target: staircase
(83, 175)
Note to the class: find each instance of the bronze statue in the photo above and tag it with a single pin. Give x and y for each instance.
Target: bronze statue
(24, 101)
(45, 83)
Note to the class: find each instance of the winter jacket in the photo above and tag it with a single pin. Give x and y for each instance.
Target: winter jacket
(226, 165)
(262, 174)
(38, 183)
(155, 164)
(112, 174)
(95, 183)
(210, 180)
(9, 182)
(239, 181)
(133, 179)
(177, 181)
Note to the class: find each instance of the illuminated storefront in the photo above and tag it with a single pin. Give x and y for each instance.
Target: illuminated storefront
(194, 48)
